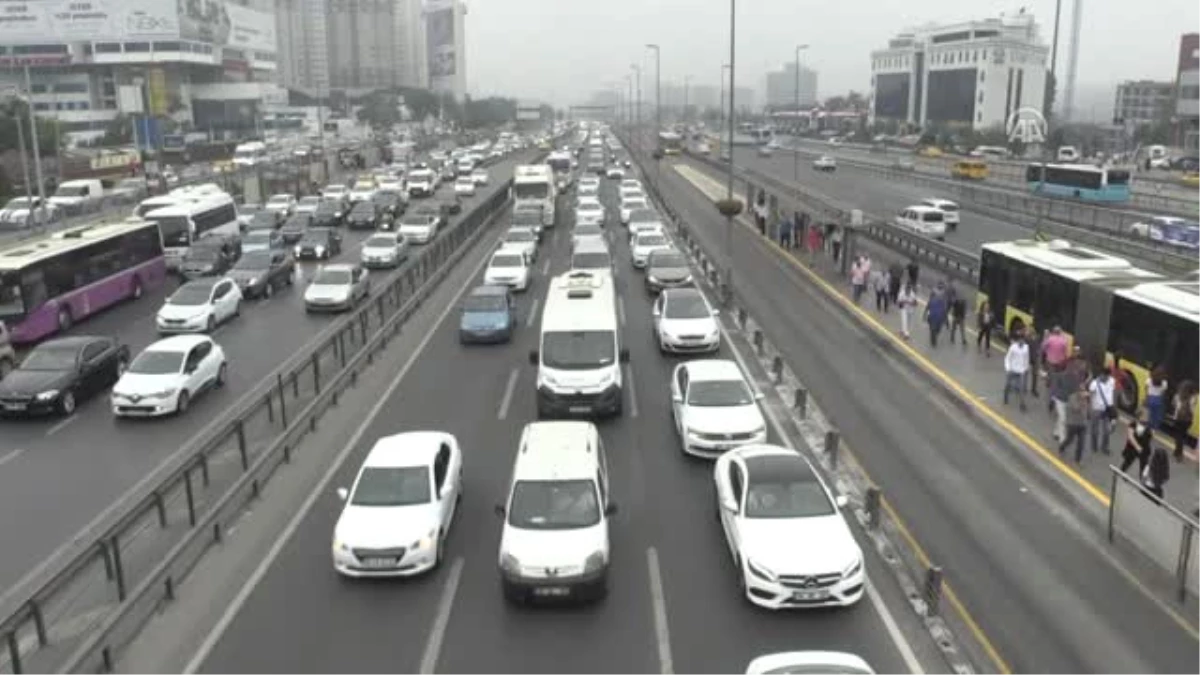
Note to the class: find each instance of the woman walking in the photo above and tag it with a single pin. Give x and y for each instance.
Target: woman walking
(1138, 441)
(985, 322)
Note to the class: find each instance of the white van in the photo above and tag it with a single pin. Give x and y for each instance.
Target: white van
(580, 354)
(925, 220)
(554, 543)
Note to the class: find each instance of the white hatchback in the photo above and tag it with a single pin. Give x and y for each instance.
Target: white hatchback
(167, 375)
(508, 267)
(644, 243)
(589, 213)
(199, 306)
(684, 322)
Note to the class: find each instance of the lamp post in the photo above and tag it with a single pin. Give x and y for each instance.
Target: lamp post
(629, 100)
(729, 183)
(637, 124)
(687, 80)
(657, 86)
(721, 101)
(796, 155)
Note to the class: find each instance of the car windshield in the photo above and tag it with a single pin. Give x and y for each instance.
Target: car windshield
(263, 219)
(279, 200)
(554, 505)
(816, 669)
(202, 254)
(315, 237)
(592, 260)
(380, 241)
(363, 209)
(667, 260)
(174, 229)
(256, 238)
(718, 393)
(332, 277)
(634, 204)
(651, 240)
(154, 362)
(326, 209)
(392, 486)
(787, 497)
(589, 206)
(507, 260)
(485, 303)
(686, 306)
(531, 190)
(50, 357)
(588, 231)
(296, 223)
(254, 261)
(520, 237)
(310, 201)
(579, 349)
(191, 295)
(527, 218)
(419, 220)
(643, 215)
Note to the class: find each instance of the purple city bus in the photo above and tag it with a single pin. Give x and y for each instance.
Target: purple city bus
(49, 283)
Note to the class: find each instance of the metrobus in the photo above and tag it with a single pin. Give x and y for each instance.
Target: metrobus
(49, 283)
(670, 143)
(1111, 309)
(1079, 181)
(191, 218)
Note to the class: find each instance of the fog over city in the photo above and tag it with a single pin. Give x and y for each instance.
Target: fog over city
(576, 48)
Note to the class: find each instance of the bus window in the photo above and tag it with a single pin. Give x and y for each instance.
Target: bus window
(1056, 302)
(1118, 177)
(1024, 288)
(1149, 337)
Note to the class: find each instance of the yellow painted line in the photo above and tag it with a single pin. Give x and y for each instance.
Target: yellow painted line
(698, 181)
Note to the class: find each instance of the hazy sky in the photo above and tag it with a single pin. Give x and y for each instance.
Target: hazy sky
(562, 50)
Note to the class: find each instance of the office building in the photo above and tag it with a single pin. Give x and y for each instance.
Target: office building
(1143, 102)
(781, 87)
(206, 65)
(973, 74)
(1187, 96)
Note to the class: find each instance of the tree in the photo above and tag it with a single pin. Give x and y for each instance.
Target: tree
(9, 139)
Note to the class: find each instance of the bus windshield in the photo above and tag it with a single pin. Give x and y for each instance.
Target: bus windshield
(176, 231)
(531, 190)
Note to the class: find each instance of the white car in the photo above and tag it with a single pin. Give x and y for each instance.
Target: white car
(336, 288)
(615, 171)
(464, 185)
(508, 267)
(785, 530)
(643, 243)
(631, 183)
(684, 322)
(646, 220)
(480, 176)
(400, 508)
(391, 184)
(809, 662)
(589, 213)
(588, 182)
(523, 239)
(167, 375)
(824, 163)
(308, 204)
(949, 209)
(199, 306)
(626, 193)
(587, 193)
(363, 190)
(384, 249)
(281, 203)
(703, 148)
(419, 228)
(712, 404)
(336, 192)
(630, 205)
(924, 220)
(583, 233)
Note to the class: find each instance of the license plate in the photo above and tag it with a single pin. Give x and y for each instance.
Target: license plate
(379, 563)
(579, 409)
(552, 591)
(810, 595)
(14, 406)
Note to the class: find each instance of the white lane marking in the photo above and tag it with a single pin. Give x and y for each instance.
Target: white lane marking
(893, 629)
(632, 384)
(662, 632)
(433, 645)
(60, 426)
(532, 312)
(11, 456)
(508, 394)
(256, 577)
(621, 309)
(546, 266)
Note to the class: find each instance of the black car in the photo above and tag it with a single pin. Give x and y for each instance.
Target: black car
(263, 220)
(449, 172)
(328, 214)
(319, 243)
(259, 273)
(667, 268)
(58, 373)
(434, 210)
(363, 216)
(206, 258)
(390, 202)
(450, 205)
(293, 229)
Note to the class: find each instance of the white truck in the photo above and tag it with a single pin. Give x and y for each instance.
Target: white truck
(560, 164)
(534, 184)
(250, 154)
(75, 195)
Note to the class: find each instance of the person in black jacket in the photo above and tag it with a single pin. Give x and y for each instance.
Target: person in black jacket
(1138, 443)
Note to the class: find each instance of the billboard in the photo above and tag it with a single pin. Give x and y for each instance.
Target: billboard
(439, 42)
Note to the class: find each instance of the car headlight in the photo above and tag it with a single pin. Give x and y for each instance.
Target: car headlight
(48, 395)
(509, 563)
(594, 562)
(296, 250)
(320, 250)
(853, 568)
(340, 546)
(607, 379)
(426, 542)
(760, 571)
(547, 379)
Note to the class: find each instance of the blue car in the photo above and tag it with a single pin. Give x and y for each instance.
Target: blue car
(489, 315)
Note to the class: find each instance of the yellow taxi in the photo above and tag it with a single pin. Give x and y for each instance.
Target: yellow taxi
(969, 169)
(930, 151)
(1191, 179)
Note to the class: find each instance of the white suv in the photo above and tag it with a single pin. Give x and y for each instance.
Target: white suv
(554, 544)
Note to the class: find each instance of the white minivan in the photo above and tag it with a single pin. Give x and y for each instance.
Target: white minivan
(925, 220)
(554, 543)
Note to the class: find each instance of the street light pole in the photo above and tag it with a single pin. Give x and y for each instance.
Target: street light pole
(37, 154)
(687, 79)
(729, 184)
(637, 125)
(657, 86)
(721, 102)
(629, 101)
(796, 155)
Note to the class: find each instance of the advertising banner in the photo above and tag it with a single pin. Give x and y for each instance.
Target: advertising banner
(225, 24)
(439, 42)
(251, 30)
(41, 21)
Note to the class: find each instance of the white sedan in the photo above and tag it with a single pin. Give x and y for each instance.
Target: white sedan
(200, 306)
(419, 228)
(784, 663)
(583, 233)
(308, 204)
(785, 531)
(336, 288)
(684, 322)
(281, 203)
(714, 408)
(628, 206)
(400, 508)
(642, 244)
(824, 163)
(384, 249)
(480, 176)
(615, 171)
(589, 213)
(508, 267)
(167, 375)
(523, 239)
(465, 186)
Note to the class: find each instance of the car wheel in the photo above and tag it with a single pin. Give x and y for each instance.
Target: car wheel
(222, 373)
(66, 405)
(268, 290)
(741, 579)
(211, 325)
(237, 309)
(64, 319)
(439, 553)
(136, 291)
(181, 404)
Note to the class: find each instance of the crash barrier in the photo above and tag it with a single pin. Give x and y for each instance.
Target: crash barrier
(112, 579)
(1160, 531)
(921, 579)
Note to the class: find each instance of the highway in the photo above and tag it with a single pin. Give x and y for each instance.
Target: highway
(57, 474)
(302, 617)
(1022, 551)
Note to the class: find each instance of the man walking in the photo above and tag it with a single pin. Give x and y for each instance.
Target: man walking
(1100, 396)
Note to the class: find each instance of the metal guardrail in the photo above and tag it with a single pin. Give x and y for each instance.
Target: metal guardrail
(258, 434)
(1161, 531)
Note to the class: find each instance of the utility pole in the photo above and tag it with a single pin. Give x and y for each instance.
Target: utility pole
(37, 154)
(637, 126)
(683, 114)
(657, 87)
(729, 184)
(796, 155)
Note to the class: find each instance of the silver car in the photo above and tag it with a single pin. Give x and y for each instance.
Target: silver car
(384, 249)
(336, 288)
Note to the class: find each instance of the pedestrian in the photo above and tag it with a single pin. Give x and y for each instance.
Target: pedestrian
(1101, 412)
(1033, 337)
(985, 323)
(1016, 365)
(1139, 437)
(1157, 472)
(881, 282)
(837, 243)
(803, 223)
(814, 241)
(1156, 396)
(785, 233)
(935, 313)
(858, 279)
(1055, 352)
(906, 301)
(958, 317)
(895, 279)
(1183, 409)
(1075, 416)
(828, 236)
(1061, 386)
(914, 271)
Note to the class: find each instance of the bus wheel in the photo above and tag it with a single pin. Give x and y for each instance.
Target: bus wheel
(64, 319)
(136, 291)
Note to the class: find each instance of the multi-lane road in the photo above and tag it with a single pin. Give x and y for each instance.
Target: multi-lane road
(57, 474)
(672, 586)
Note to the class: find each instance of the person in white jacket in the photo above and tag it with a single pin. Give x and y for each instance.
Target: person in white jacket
(906, 301)
(1016, 365)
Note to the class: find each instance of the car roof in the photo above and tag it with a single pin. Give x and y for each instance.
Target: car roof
(177, 343)
(658, 254)
(72, 341)
(711, 369)
(411, 448)
(921, 208)
(557, 450)
(650, 232)
(510, 251)
(202, 282)
(936, 201)
(591, 245)
(346, 267)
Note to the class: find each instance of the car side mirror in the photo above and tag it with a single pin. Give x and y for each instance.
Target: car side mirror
(677, 398)
(841, 501)
(729, 505)
(343, 494)
(624, 355)
(656, 312)
(610, 509)
(499, 510)
(716, 312)
(533, 357)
